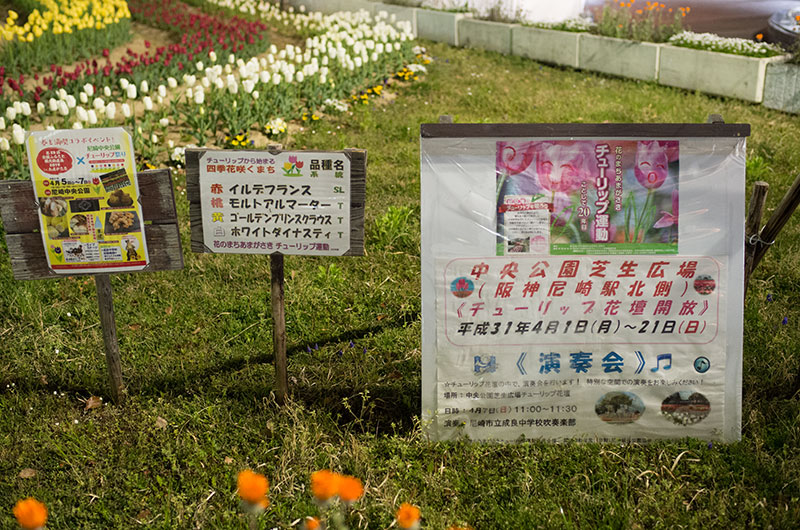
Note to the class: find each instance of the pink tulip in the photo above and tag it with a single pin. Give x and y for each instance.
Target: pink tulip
(651, 164)
(669, 219)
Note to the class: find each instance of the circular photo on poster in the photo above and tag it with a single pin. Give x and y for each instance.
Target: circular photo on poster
(462, 287)
(619, 407)
(704, 284)
(130, 248)
(686, 407)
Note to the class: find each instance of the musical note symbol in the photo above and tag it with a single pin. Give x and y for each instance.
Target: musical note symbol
(663, 357)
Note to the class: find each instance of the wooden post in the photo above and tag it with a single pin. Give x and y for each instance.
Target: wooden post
(779, 218)
(752, 227)
(279, 327)
(105, 303)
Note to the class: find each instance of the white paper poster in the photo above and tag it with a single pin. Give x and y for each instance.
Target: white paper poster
(583, 287)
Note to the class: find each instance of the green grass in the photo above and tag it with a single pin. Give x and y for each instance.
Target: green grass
(196, 347)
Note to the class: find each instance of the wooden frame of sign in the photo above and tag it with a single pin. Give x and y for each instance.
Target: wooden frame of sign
(357, 190)
(19, 212)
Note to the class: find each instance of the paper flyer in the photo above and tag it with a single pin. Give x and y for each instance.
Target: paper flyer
(88, 200)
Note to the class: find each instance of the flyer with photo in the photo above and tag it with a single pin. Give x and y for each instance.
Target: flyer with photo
(88, 200)
(587, 197)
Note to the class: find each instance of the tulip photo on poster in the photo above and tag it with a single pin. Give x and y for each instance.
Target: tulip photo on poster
(587, 197)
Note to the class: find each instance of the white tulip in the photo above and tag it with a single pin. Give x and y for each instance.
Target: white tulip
(248, 85)
(126, 110)
(4, 145)
(18, 135)
(231, 59)
(18, 107)
(40, 108)
(89, 89)
(2, 123)
(159, 100)
(264, 76)
(84, 98)
(123, 83)
(144, 87)
(154, 138)
(111, 111)
(162, 91)
(170, 143)
(233, 87)
(212, 56)
(77, 125)
(98, 104)
(11, 113)
(92, 117)
(172, 82)
(219, 83)
(189, 93)
(148, 103)
(131, 91)
(26, 108)
(255, 94)
(299, 77)
(206, 82)
(199, 66)
(62, 94)
(164, 122)
(81, 114)
(50, 128)
(199, 97)
(107, 91)
(52, 104)
(63, 109)
(276, 79)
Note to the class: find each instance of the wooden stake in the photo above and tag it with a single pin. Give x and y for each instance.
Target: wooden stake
(753, 226)
(779, 218)
(105, 303)
(279, 327)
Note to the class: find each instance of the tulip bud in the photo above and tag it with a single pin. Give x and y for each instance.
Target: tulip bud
(148, 103)
(92, 117)
(126, 110)
(131, 91)
(111, 111)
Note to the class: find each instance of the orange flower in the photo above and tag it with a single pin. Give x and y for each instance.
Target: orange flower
(350, 489)
(30, 513)
(312, 523)
(325, 484)
(253, 487)
(407, 515)
(759, 36)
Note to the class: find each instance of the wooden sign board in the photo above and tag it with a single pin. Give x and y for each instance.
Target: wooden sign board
(20, 214)
(267, 202)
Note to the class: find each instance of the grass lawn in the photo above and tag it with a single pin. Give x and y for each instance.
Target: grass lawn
(196, 349)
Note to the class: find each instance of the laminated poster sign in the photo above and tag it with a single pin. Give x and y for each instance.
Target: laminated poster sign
(582, 282)
(255, 202)
(88, 196)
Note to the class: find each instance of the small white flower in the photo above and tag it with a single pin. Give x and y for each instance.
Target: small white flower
(18, 136)
(172, 82)
(255, 94)
(154, 138)
(164, 122)
(170, 144)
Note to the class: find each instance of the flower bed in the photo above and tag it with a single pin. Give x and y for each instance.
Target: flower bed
(223, 76)
(715, 43)
(61, 31)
